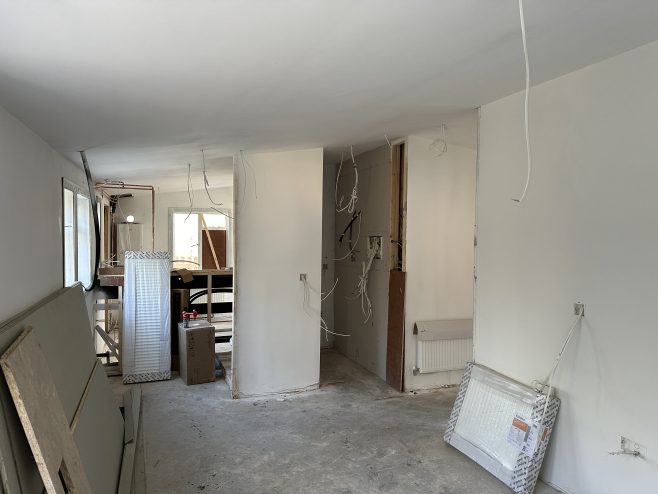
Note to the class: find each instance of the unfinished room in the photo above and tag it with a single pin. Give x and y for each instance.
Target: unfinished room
(312, 246)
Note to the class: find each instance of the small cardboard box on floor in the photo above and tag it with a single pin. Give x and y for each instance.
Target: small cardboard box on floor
(196, 345)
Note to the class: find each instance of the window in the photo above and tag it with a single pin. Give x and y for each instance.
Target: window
(199, 240)
(77, 235)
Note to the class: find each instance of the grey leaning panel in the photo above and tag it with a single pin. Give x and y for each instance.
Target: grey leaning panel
(522, 472)
(62, 327)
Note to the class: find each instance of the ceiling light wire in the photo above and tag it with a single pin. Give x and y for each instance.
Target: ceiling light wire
(440, 146)
(189, 191)
(354, 197)
(206, 184)
(525, 105)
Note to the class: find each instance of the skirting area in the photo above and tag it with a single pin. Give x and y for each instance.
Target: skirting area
(353, 435)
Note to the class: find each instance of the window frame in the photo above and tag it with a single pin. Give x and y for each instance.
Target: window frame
(229, 230)
(76, 190)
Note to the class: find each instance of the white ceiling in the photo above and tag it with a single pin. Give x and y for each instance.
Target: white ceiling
(144, 85)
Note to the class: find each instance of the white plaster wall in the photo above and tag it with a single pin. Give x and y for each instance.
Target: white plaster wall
(278, 235)
(31, 258)
(140, 207)
(587, 231)
(328, 232)
(366, 344)
(440, 245)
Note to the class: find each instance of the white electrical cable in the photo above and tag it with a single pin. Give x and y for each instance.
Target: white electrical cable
(306, 306)
(439, 147)
(206, 184)
(549, 381)
(527, 91)
(190, 195)
(325, 296)
(361, 289)
(351, 204)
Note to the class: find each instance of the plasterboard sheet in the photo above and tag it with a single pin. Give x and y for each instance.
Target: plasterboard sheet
(62, 327)
(482, 422)
(42, 416)
(99, 435)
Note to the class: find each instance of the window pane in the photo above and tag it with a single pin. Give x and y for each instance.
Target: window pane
(84, 240)
(186, 240)
(69, 239)
(217, 221)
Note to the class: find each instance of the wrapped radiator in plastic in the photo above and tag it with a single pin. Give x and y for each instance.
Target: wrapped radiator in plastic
(497, 422)
(146, 317)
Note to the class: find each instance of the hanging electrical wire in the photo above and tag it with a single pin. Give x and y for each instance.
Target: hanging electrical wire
(439, 146)
(206, 184)
(325, 296)
(189, 191)
(307, 309)
(351, 204)
(356, 242)
(551, 375)
(205, 180)
(361, 289)
(525, 105)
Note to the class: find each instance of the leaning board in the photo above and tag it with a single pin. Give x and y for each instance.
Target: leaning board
(61, 325)
(100, 446)
(41, 413)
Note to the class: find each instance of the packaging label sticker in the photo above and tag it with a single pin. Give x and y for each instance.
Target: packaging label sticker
(525, 435)
(518, 432)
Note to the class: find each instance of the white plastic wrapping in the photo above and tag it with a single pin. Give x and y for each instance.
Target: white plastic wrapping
(146, 317)
(497, 422)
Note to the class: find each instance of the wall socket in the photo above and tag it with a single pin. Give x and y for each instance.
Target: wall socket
(302, 276)
(579, 308)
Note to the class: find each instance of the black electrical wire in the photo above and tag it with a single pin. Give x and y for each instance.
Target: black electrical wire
(349, 227)
(94, 214)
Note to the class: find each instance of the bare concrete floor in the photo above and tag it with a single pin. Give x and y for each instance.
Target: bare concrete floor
(353, 435)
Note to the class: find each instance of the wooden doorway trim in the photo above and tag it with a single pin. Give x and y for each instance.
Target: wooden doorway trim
(395, 339)
(395, 343)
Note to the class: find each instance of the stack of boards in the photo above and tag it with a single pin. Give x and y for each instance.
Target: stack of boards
(61, 428)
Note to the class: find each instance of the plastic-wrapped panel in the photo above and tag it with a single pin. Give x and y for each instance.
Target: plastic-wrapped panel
(496, 422)
(146, 316)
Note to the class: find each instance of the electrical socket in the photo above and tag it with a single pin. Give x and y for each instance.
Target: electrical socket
(579, 308)
(630, 445)
(302, 276)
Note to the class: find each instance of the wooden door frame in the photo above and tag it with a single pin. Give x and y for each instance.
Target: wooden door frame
(395, 344)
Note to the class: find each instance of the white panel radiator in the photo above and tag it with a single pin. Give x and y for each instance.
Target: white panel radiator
(503, 425)
(443, 345)
(146, 317)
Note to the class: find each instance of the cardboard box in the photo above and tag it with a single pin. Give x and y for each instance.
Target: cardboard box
(196, 346)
